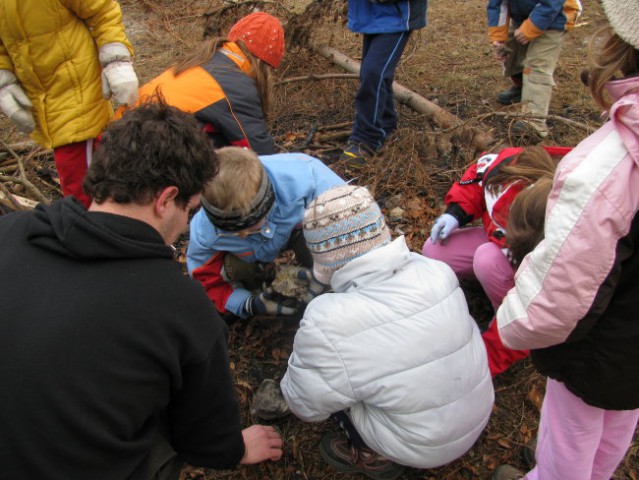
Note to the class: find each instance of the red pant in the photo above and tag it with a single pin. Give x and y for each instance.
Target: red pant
(500, 357)
(72, 161)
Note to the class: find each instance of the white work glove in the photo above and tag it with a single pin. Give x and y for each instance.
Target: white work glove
(119, 80)
(444, 225)
(14, 102)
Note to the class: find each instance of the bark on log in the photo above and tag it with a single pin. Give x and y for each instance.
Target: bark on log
(440, 116)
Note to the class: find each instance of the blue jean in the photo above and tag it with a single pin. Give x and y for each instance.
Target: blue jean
(375, 116)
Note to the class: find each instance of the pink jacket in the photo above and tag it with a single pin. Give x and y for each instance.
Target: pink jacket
(576, 295)
(594, 197)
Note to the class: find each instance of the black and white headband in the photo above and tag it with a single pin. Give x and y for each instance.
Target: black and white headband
(234, 220)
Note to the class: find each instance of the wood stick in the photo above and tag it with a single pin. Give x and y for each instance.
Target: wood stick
(24, 180)
(8, 199)
(326, 76)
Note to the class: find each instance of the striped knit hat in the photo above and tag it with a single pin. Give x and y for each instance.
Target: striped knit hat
(340, 225)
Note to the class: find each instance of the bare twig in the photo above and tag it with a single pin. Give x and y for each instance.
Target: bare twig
(326, 76)
(24, 180)
(334, 126)
(556, 118)
(10, 198)
(330, 137)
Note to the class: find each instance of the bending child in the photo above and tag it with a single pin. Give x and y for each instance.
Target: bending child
(487, 190)
(227, 83)
(252, 211)
(525, 231)
(392, 353)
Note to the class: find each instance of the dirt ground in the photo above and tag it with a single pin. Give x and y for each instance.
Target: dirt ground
(449, 63)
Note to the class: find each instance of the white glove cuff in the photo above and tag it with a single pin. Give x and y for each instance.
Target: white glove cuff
(7, 78)
(114, 52)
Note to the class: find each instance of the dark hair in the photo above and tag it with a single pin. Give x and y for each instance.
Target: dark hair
(151, 147)
(526, 219)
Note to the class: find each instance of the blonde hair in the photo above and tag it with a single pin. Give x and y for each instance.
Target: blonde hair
(526, 219)
(261, 71)
(530, 165)
(613, 56)
(238, 180)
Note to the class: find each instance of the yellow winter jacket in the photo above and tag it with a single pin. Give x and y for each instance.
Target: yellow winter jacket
(52, 48)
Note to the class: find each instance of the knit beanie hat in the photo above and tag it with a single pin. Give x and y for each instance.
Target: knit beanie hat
(623, 16)
(263, 35)
(340, 225)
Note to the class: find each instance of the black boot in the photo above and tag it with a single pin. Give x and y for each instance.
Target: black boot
(510, 96)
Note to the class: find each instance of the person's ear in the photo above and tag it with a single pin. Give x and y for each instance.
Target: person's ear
(165, 199)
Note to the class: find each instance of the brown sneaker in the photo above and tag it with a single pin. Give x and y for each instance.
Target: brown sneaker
(506, 472)
(340, 454)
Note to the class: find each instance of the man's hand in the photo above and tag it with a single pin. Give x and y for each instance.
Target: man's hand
(261, 443)
(270, 302)
(14, 102)
(520, 37)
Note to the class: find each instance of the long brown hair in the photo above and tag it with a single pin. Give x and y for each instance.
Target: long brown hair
(261, 71)
(609, 55)
(526, 219)
(531, 164)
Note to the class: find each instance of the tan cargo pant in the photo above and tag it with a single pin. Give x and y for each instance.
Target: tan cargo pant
(536, 61)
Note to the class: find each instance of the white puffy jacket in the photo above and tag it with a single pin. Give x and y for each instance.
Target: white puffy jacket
(395, 344)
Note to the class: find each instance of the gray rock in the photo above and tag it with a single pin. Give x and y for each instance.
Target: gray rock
(268, 401)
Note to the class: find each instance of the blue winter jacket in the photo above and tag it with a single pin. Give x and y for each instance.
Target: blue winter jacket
(297, 180)
(533, 16)
(365, 16)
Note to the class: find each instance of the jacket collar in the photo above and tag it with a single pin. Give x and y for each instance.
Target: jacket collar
(235, 53)
(372, 267)
(624, 113)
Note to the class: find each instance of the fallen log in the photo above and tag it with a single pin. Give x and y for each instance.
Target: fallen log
(443, 118)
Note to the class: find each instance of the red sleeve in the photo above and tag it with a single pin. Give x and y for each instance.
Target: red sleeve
(210, 276)
(468, 193)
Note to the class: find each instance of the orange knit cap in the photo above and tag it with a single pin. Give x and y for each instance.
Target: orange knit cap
(263, 35)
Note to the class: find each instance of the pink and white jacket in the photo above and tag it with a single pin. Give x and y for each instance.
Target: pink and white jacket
(576, 295)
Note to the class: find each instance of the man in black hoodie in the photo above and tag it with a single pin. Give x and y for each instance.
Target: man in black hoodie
(113, 364)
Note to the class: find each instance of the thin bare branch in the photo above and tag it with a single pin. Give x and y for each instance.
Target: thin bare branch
(326, 76)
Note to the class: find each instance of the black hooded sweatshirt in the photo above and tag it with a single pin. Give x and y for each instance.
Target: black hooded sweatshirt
(103, 340)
